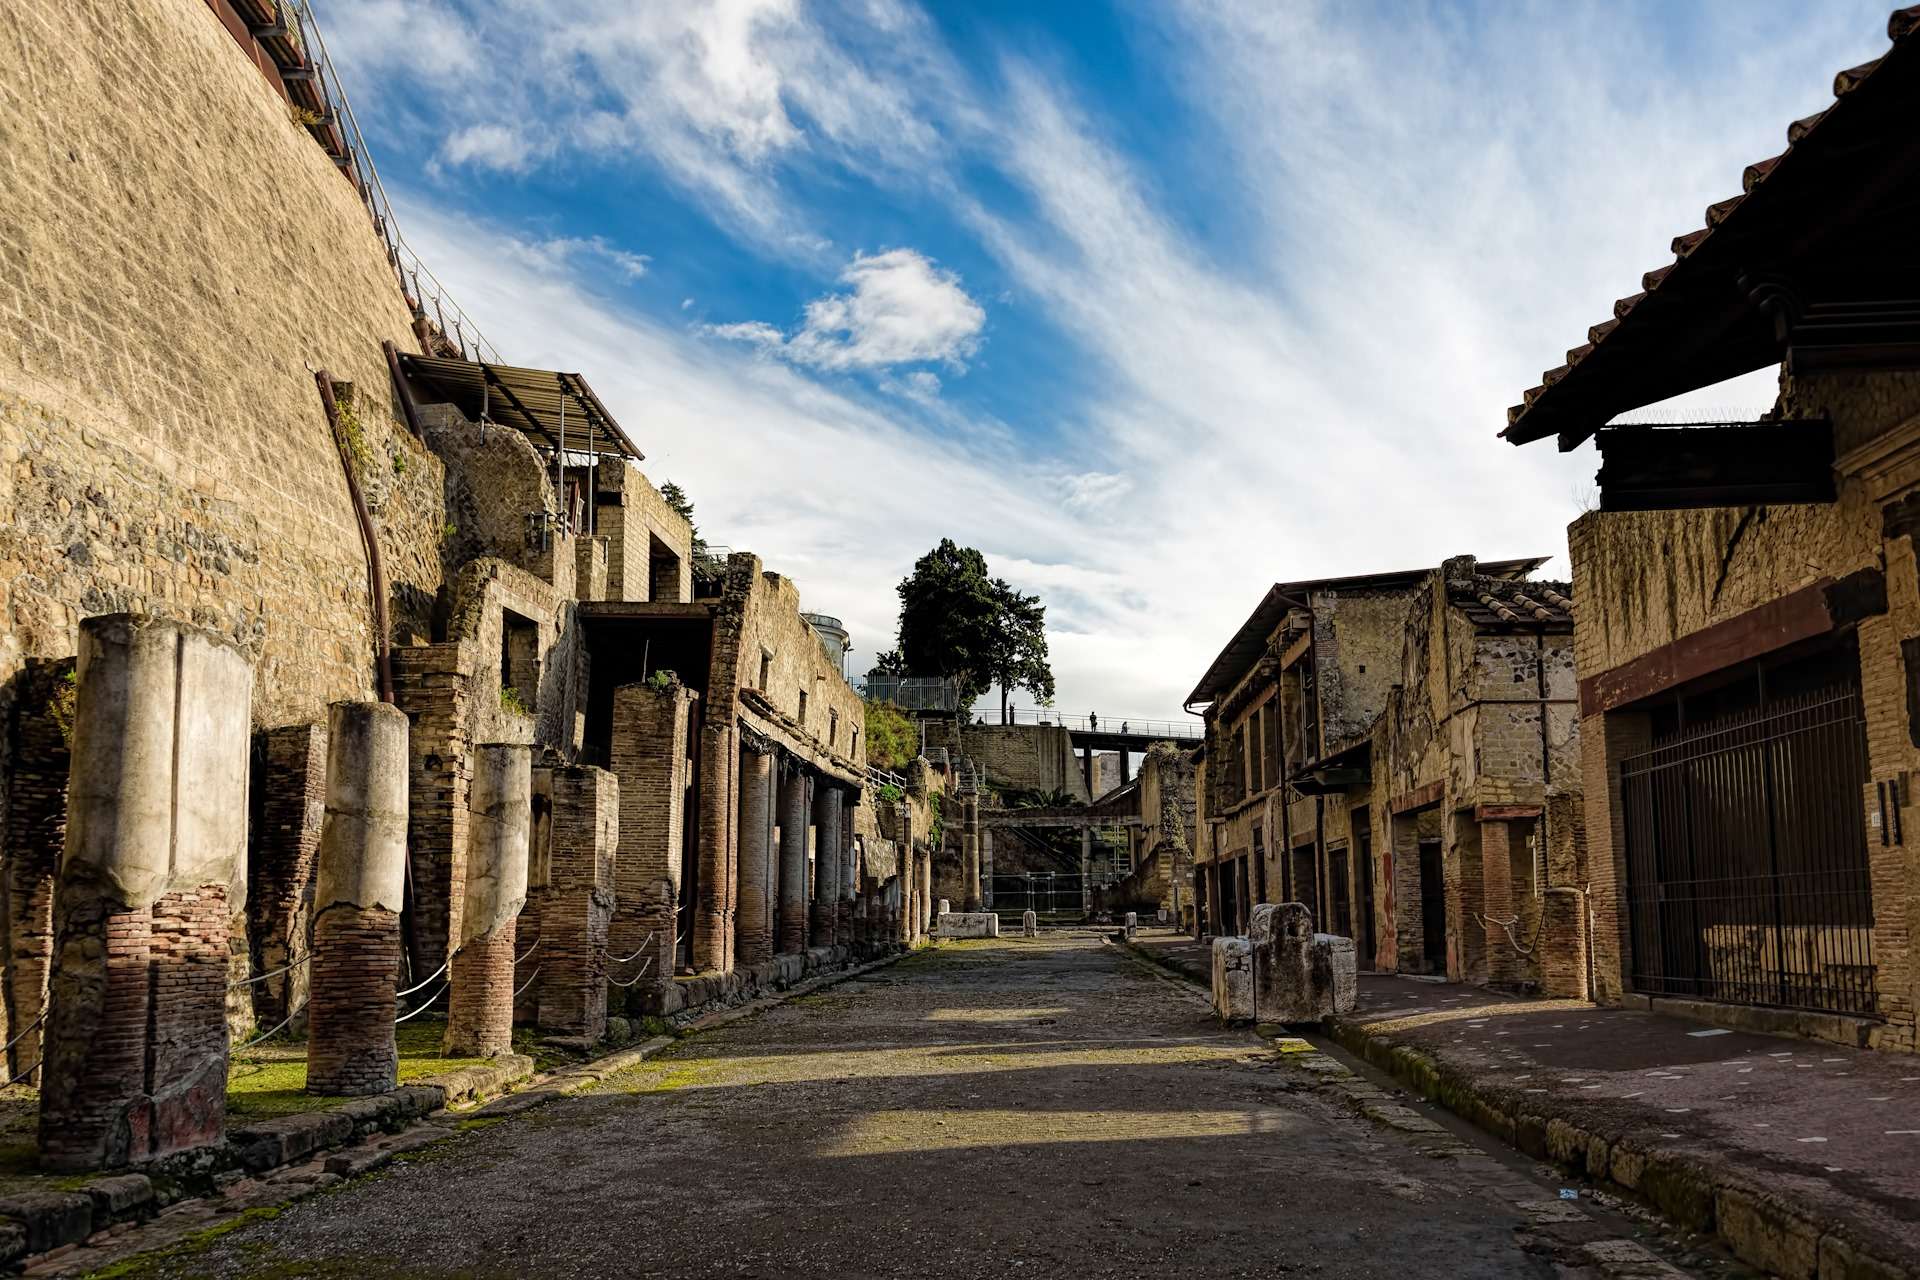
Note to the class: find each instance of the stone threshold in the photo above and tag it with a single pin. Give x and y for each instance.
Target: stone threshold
(273, 1163)
(1778, 1233)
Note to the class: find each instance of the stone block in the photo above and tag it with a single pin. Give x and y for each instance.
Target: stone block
(1131, 922)
(50, 1218)
(967, 924)
(120, 1197)
(1233, 979)
(1299, 975)
(1029, 925)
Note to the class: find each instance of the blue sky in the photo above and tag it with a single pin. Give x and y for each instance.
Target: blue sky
(1154, 303)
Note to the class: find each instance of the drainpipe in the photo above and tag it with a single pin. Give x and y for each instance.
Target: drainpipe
(376, 575)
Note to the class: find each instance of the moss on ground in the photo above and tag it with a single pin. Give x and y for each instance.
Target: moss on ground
(185, 1247)
(270, 1079)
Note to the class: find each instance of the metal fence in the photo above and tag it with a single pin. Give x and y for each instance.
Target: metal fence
(911, 693)
(1747, 858)
(1051, 896)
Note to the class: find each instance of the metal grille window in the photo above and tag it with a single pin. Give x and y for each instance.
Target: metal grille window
(1747, 857)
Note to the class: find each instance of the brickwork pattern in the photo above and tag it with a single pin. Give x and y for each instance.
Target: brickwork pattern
(713, 922)
(572, 983)
(480, 999)
(94, 1108)
(431, 688)
(649, 756)
(350, 1028)
(759, 879)
(827, 864)
(795, 804)
(36, 829)
(289, 803)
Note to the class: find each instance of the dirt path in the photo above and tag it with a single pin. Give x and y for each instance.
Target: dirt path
(1025, 1108)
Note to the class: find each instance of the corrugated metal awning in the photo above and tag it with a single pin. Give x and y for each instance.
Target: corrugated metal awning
(541, 403)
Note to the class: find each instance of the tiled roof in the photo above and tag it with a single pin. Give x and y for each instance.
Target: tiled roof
(1808, 147)
(1503, 602)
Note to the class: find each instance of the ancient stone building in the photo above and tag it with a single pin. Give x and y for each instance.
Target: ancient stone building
(585, 747)
(1350, 717)
(1748, 603)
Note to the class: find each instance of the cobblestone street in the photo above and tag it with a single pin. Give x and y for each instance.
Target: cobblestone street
(1048, 1107)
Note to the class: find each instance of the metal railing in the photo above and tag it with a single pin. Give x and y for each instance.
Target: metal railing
(425, 294)
(910, 693)
(1172, 730)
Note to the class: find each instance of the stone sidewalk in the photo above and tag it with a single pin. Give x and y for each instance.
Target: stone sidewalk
(1803, 1156)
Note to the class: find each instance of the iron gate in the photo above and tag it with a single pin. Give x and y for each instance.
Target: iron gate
(1746, 854)
(1047, 894)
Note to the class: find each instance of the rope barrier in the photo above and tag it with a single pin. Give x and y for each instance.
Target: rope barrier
(528, 982)
(424, 1007)
(430, 977)
(23, 1035)
(636, 977)
(636, 955)
(524, 954)
(247, 982)
(21, 1076)
(275, 1030)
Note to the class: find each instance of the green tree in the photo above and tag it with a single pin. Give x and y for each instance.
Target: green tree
(892, 742)
(677, 498)
(958, 621)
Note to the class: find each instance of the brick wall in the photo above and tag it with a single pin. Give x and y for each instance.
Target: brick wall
(36, 829)
(649, 756)
(431, 687)
(579, 903)
(289, 786)
(350, 1027)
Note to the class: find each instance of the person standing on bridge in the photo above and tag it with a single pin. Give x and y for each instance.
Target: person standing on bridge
(1123, 728)
(1093, 723)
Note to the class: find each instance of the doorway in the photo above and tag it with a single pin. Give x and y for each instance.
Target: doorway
(1433, 908)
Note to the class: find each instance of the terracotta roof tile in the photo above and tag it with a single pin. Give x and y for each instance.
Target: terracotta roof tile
(1802, 127)
(1626, 304)
(1717, 213)
(1651, 281)
(1686, 244)
(1853, 77)
(1601, 330)
(1755, 173)
(1903, 22)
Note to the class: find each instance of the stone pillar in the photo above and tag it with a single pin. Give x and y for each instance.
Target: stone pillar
(1496, 896)
(757, 875)
(970, 850)
(526, 926)
(289, 805)
(986, 868)
(1606, 740)
(649, 755)
(359, 888)
(572, 981)
(1086, 870)
(1563, 943)
(827, 865)
(794, 805)
(923, 861)
(136, 1032)
(480, 1008)
(719, 857)
(36, 829)
(431, 688)
(1029, 924)
(850, 877)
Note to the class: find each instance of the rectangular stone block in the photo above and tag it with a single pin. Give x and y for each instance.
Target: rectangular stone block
(967, 924)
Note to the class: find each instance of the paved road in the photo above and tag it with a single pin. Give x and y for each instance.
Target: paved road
(1012, 1108)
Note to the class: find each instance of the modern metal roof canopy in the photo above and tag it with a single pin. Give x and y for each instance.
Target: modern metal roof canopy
(538, 402)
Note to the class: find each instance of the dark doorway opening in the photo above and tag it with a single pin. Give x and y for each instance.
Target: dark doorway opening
(1433, 908)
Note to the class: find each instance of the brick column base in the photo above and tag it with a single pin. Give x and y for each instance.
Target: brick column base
(350, 1011)
(480, 1008)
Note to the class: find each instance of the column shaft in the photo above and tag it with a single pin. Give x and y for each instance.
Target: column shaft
(757, 876)
(793, 864)
(480, 1008)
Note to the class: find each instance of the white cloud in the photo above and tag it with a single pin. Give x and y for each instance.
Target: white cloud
(1430, 211)
(902, 309)
(489, 146)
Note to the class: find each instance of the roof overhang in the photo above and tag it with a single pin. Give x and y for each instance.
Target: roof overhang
(1814, 265)
(546, 405)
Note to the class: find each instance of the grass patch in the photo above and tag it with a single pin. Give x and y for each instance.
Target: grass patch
(185, 1247)
(270, 1079)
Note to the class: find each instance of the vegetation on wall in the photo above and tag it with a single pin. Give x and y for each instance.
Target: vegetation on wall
(892, 741)
(958, 621)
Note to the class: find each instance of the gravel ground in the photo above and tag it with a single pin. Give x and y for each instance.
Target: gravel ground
(1014, 1107)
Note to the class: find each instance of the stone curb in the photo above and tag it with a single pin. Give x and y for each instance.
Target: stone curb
(38, 1225)
(1762, 1227)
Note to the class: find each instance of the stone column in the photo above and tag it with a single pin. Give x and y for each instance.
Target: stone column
(756, 857)
(1563, 943)
(359, 887)
(986, 868)
(480, 1008)
(572, 981)
(36, 829)
(649, 755)
(289, 809)
(827, 865)
(850, 878)
(719, 860)
(923, 861)
(1086, 870)
(793, 864)
(136, 1044)
(1496, 897)
(970, 852)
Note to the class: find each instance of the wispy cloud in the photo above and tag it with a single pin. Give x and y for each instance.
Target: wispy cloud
(900, 309)
(1424, 208)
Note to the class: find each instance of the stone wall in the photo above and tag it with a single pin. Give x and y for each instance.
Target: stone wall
(633, 517)
(179, 252)
(1025, 757)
